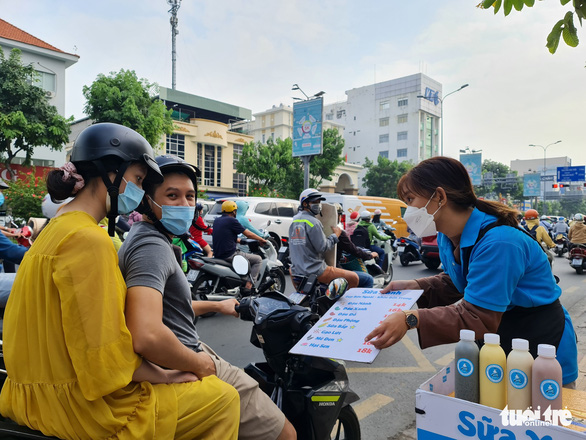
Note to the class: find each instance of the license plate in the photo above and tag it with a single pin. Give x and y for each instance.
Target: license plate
(577, 262)
(296, 297)
(192, 275)
(282, 249)
(401, 249)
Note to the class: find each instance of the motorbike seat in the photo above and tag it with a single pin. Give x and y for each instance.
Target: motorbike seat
(216, 261)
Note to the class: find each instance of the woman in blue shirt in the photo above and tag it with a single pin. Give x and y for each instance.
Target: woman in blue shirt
(499, 272)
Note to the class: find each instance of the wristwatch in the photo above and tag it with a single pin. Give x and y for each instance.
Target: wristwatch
(411, 320)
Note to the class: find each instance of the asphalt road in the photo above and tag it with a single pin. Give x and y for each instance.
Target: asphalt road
(387, 386)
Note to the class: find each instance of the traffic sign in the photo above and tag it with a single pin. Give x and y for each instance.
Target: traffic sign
(571, 174)
(547, 178)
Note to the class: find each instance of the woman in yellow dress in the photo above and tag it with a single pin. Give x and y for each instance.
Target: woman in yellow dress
(72, 370)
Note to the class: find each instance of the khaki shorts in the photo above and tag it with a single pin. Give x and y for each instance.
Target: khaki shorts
(260, 418)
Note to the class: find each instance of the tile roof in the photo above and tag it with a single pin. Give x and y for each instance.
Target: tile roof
(11, 32)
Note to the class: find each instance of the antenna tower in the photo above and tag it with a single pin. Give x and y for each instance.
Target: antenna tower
(175, 4)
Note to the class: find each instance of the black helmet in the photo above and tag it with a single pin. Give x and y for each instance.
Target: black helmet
(168, 163)
(198, 207)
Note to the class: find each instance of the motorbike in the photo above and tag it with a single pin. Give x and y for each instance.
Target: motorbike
(408, 251)
(312, 392)
(283, 255)
(561, 244)
(390, 231)
(214, 279)
(577, 257)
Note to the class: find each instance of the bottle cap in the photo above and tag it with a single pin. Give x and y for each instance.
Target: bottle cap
(546, 350)
(492, 338)
(467, 335)
(520, 344)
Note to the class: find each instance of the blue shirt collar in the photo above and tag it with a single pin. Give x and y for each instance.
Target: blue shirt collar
(475, 223)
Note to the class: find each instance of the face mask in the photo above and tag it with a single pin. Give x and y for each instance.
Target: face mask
(1, 199)
(420, 221)
(315, 208)
(129, 200)
(176, 219)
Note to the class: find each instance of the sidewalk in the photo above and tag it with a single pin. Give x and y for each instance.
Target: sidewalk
(579, 320)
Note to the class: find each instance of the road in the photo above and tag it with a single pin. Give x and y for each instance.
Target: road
(387, 386)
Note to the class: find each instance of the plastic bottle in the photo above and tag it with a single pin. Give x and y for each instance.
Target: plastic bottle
(547, 380)
(519, 364)
(493, 365)
(467, 367)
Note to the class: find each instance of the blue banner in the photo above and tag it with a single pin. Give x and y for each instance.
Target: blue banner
(307, 127)
(473, 163)
(531, 185)
(571, 174)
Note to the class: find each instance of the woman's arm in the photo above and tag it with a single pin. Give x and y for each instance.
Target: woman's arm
(149, 372)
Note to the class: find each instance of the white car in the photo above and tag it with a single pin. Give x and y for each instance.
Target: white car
(280, 212)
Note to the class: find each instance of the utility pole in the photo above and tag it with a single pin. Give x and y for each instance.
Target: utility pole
(175, 4)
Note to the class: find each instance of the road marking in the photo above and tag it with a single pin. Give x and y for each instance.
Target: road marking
(445, 360)
(371, 405)
(423, 365)
(571, 289)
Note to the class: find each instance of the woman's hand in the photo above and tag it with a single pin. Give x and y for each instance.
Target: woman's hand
(149, 372)
(178, 376)
(401, 285)
(206, 366)
(389, 332)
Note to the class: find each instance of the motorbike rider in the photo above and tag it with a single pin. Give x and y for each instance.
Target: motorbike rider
(160, 313)
(225, 238)
(373, 233)
(308, 242)
(352, 222)
(496, 278)
(198, 227)
(241, 210)
(72, 369)
(561, 227)
(577, 233)
(377, 221)
(534, 227)
(543, 222)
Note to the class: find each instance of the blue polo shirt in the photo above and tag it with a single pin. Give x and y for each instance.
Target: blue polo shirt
(507, 268)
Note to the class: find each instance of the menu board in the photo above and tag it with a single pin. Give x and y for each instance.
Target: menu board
(340, 333)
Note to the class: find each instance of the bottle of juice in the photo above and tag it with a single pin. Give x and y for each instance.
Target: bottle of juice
(492, 364)
(547, 380)
(519, 364)
(467, 367)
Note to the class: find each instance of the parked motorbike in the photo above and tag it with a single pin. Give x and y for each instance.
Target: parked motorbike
(312, 392)
(561, 244)
(408, 251)
(577, 257)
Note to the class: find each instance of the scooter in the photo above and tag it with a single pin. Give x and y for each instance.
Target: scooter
(387, 263)
(312, 392)
(283, 255)
(408, 251)
(577, 257)
(561, 244)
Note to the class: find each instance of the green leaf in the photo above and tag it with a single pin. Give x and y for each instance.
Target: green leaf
(508, 7)
(487, 3)
(497, 6)
(529, 3)
(518, 4)
(564, 2)
(570, 33)
(553, 39)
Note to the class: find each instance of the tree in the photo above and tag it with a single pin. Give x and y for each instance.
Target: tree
(24, 197)
(27, 120)
(124, 99)
(272, 169)
(564, 28)
(381, 179)
(493, 190)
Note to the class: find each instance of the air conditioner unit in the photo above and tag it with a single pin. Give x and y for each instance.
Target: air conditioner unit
(49, 94)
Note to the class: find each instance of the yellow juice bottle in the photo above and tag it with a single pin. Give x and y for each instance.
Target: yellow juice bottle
(493, 366)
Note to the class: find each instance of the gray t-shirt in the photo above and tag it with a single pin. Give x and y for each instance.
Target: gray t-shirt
(146, 258)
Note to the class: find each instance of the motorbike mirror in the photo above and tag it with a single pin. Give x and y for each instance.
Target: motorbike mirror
(337, 288)
(240, 265)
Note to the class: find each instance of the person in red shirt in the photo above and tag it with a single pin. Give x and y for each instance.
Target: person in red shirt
(198, 227)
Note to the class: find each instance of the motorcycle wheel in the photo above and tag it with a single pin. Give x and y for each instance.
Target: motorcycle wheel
(280, 282)
(579, 270)
(347, 426)
(199, 291)
(404, 260)
(274, 243)
(432, 264)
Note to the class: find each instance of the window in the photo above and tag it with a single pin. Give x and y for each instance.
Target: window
(402, 152)
(401, 119)
(382, 138)
(236, 156)
(329, 116)
(340, 114)
(384, 154)
(199, 161)
(383, 122)
(272, 136)
(45, 81)
(263, 138)
(384, 105)
(266, 208)
(239, 183)
(176, 145)
(286, 209)
(34, 162)
(219, 167)
(403, 102)
(209, 165)
(402, 136)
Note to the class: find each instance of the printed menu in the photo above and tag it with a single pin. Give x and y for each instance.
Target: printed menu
(340, 333)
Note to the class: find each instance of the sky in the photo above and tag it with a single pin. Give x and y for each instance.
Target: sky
(250, 53)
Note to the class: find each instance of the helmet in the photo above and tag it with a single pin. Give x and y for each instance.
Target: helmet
(377, 212)
(168, 164)
(198, 207)
(579, 217)
(354, 216)
(310, 195)
(531, 214)
(544, 217)
(364, 215)
(108, 139)
(562, 219)
(229, 206)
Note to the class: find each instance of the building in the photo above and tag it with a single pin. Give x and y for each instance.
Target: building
(388, 119)
(550, 165)
(51, 64)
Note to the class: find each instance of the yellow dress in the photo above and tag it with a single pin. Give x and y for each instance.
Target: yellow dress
(69, 354)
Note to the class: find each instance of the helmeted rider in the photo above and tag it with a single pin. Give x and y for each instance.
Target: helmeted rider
(547, 225)
(377, 221)
(198, 227)
(308, 242)
(561, 227)
(577, 233)
(537, 231)
(373, 233)
(242, 209)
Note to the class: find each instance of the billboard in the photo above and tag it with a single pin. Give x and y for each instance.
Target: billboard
(531, 185)
(307, 127)
(571, 174)
(473, 163)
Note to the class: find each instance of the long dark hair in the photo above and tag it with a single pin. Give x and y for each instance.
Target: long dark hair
(452, 176)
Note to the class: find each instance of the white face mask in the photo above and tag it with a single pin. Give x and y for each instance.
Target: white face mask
(420, 221)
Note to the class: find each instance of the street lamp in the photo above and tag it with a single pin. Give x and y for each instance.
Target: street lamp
(467, 150)
(441, 100)
(544, 167)
(307, 98)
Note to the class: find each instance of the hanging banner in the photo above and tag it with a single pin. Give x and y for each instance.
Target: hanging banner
(473, 163)
(307, 127)
(531, 185)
